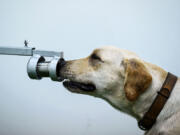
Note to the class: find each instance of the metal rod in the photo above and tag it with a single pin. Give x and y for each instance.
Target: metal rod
(23, 51)
(42, 69)
(27, 51)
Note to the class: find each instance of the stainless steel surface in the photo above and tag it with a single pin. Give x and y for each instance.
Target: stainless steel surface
(38, 67)
(32, 66)
(42, 69)
(24, 51)
(52, 68)
(47, 53)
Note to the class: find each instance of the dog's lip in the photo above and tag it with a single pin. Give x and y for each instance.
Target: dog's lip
(79, 85)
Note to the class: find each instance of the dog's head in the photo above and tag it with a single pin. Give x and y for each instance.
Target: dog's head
(109, 73)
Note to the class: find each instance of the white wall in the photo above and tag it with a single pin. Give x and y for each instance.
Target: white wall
(30, 107)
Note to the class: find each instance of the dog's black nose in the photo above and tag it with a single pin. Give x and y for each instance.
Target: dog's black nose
(60, 65)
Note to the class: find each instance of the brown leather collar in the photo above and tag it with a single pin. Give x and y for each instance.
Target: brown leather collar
(151, 115)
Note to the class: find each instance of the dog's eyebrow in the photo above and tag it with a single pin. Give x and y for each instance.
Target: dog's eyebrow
(96, 55)
(96, 52)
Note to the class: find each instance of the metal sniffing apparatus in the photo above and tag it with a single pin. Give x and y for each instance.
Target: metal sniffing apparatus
(38, 66)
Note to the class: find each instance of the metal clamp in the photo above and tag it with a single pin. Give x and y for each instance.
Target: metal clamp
(37, 66)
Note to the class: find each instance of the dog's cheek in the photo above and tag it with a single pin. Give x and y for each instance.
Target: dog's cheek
(106, 81)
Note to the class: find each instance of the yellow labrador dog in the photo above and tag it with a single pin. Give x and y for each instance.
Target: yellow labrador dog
(127, 82)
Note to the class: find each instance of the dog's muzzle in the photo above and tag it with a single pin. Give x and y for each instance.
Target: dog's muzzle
(74, 85)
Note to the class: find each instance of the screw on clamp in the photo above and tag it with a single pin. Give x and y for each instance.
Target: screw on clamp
(25, 43)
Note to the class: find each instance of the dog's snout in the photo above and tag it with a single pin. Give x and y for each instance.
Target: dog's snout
(73, 68)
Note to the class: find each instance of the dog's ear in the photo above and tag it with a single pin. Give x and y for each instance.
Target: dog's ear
(137, 78)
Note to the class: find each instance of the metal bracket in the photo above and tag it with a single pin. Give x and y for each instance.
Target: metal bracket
(37, 66)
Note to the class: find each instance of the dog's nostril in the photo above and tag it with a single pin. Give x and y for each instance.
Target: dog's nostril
(60, 65)
(62, 62)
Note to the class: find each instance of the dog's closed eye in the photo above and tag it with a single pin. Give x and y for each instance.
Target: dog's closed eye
(95, 57)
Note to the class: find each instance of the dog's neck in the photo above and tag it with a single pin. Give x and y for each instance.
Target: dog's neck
(138, 108)
(144, 102)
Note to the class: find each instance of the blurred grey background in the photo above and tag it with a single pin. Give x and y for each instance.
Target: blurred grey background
(31, 107)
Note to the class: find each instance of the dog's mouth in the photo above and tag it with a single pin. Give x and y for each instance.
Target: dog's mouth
(78, 86)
